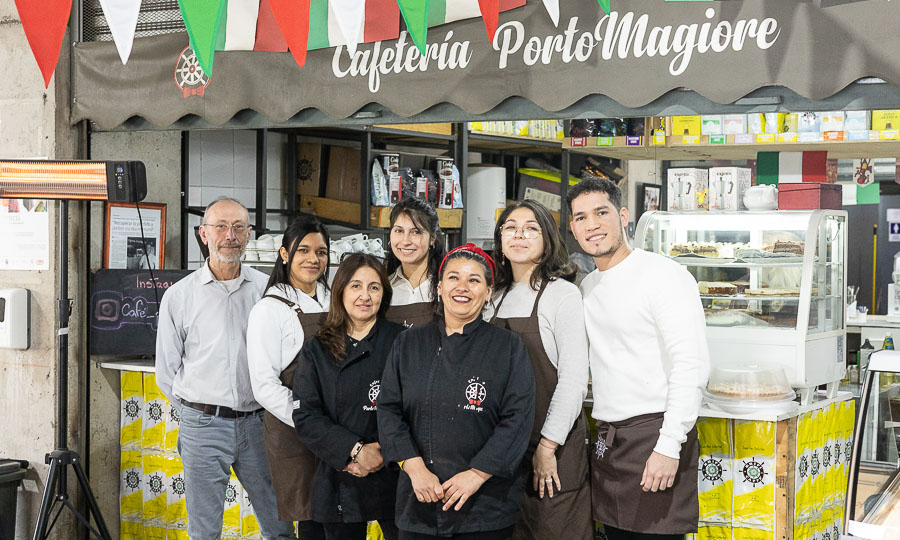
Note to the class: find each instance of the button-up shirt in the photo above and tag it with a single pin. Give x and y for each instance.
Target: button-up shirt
(405, 293)
(201, 343)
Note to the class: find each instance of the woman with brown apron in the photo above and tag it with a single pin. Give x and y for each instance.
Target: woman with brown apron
(536, 299)
(289, 314)
(416, 253)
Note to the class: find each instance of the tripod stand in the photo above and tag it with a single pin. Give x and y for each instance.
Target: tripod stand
(56, 489)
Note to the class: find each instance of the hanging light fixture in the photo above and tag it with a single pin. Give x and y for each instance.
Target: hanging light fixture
(118, 181)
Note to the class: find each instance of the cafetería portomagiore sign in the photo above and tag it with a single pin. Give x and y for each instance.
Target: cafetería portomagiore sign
(634, 54)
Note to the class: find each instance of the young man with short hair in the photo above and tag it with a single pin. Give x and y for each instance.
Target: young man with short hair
(649, 360)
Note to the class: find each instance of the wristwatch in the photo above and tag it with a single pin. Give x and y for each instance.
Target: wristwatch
(357, 448)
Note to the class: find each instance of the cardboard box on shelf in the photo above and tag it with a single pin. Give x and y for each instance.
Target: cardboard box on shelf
(711, 124)
(791, 123)
(832, 121)
(886, 120)
(343, 173)
(773, 122)
(809, 196)
(856, 121)
(756, 123)
(809, 122)
(379, 216)
(734, 124)
(688, 189)
(309, 169)
(686, 125)
(727, 186)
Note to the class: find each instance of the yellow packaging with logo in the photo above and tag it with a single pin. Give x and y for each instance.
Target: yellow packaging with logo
(153, 486)
(176, 534)
(801, 530)
(749, 533)
(686, 125)
(713, 532)
(754, 474)
(154, 533)
(173, 422)
(886, 120)
(176, 508)
(131, 502)
(715, 480)
(231, 519)
(816, 472)
(848, 422)
(249, 523)
(131, 530)
(807, 440)
(153, 418)
(830, 420)
(132, 401)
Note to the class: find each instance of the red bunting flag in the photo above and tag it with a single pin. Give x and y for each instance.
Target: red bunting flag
(293, 20)
(268, 36)
(44, 22)
(490, 12)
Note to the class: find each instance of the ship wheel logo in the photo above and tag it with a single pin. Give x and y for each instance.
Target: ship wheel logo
(835, 532)
(848, 449)
(178, 485)
(305, 170)
(826, 535)
(231, 493)
(374, 390)
(826, 457)
(132, 409)
(174, 415)
(837, 453)
(815, 464)
(155, 412)
(156, 483)
(132, 480)
(600, 447)
(712, 470)
(754, 472)
(475, 392)
(189, 75)
(803, 467)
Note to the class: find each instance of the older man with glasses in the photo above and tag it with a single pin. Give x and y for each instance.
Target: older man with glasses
(201, 366)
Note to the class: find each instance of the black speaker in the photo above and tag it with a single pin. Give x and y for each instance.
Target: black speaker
(126, 181)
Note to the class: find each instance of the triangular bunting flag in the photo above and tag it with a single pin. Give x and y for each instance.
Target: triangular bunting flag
(382, 20)
(553, 10)
(223, 28)
(349, 15)
(490, 12)
(415, 13)
(44, 22)
(268, 35)
(202, 19)
(122, 16)
(604, 4)
(293, 20)
(240, 33)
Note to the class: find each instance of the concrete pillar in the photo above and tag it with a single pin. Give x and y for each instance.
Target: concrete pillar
(34, 124)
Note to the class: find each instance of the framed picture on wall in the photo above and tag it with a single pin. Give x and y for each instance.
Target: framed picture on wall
(650, 194)
(135, 235)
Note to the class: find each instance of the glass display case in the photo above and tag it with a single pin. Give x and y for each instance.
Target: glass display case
(873, 501)
(772, 284)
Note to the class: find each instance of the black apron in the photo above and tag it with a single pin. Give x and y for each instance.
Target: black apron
(417, 314)
(292, 464)
(620, 455)
(570, 509)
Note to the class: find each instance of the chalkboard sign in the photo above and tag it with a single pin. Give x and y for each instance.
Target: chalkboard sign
(124, 309)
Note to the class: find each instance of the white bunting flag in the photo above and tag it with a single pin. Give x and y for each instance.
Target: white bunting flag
(350, 16)
(553, 9)
(122, 16)
(240, 25)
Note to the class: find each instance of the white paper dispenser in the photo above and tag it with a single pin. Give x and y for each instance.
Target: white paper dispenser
(15, 318)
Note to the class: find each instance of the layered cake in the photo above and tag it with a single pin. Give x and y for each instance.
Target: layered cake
(736, 390)
(717, 288)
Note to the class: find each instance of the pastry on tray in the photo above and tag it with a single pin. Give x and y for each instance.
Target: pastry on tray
(736, 390)
(771, 291)
(717, 288)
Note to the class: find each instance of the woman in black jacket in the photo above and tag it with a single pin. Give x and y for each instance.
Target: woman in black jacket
(336, 388)
(456, 409)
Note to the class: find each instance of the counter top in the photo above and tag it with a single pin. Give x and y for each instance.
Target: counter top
(138, 364)
(872, 321)
(820, 402)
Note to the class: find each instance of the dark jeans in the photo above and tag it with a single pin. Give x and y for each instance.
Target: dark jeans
(618, 534)
(310, 530)
(501, 534)
(356, 531)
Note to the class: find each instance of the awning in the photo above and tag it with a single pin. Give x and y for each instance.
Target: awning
(722, 50)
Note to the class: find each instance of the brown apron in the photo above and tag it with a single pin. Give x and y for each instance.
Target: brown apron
(569, 510)
(620, 454)
(292, 464)
(410, 315)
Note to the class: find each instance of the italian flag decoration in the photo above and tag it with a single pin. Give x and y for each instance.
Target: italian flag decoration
(415, 13)
(349, 16)
(202, 18)
(790, 167)
(293, 20)
(552, 7)
(376, 20)
(604, 5)
(44, 23)
(122, 16)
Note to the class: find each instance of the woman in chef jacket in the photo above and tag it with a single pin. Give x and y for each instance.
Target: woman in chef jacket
(415, 254)
(456, 409)
(294, 305)
(535, 298)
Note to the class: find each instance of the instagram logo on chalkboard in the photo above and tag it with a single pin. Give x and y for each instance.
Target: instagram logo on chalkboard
(106, 310)
(112, 310)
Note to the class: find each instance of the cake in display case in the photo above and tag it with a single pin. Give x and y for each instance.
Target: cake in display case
(772, 285)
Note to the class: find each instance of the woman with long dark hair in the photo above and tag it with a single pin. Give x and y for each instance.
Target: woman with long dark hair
(456, 408)
(336, 388)
(412, 263)
(536, 299)
(289, 313)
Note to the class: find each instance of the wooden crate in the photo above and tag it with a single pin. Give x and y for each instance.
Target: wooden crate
(379, 216)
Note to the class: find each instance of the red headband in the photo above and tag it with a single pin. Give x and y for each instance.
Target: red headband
(471, 248)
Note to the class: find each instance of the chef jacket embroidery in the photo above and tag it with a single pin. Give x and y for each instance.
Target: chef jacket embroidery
(374, 390)
(476, 395)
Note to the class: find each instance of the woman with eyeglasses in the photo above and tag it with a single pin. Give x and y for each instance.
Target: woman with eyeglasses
(416, 252)
(536, 299)
(289, 314)
(456, 408)
(336, 388)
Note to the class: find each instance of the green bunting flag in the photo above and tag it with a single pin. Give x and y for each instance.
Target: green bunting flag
(202, 19)
(415, 13)
(604, 4)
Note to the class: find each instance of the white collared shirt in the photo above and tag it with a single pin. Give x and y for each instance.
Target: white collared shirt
(274, 337)
(201, 343)
(404, 293)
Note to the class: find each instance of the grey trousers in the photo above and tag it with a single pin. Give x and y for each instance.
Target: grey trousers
(210, 446)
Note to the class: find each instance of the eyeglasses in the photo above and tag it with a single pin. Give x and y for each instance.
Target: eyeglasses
(222, 228)
(528, 231)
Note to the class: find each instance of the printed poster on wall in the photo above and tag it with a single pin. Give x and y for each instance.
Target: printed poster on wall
(25, 230)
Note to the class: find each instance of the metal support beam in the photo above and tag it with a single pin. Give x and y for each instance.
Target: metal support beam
(460, 153)
(262, 147)
(365, 158)
(290, 156)
(565, 160)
